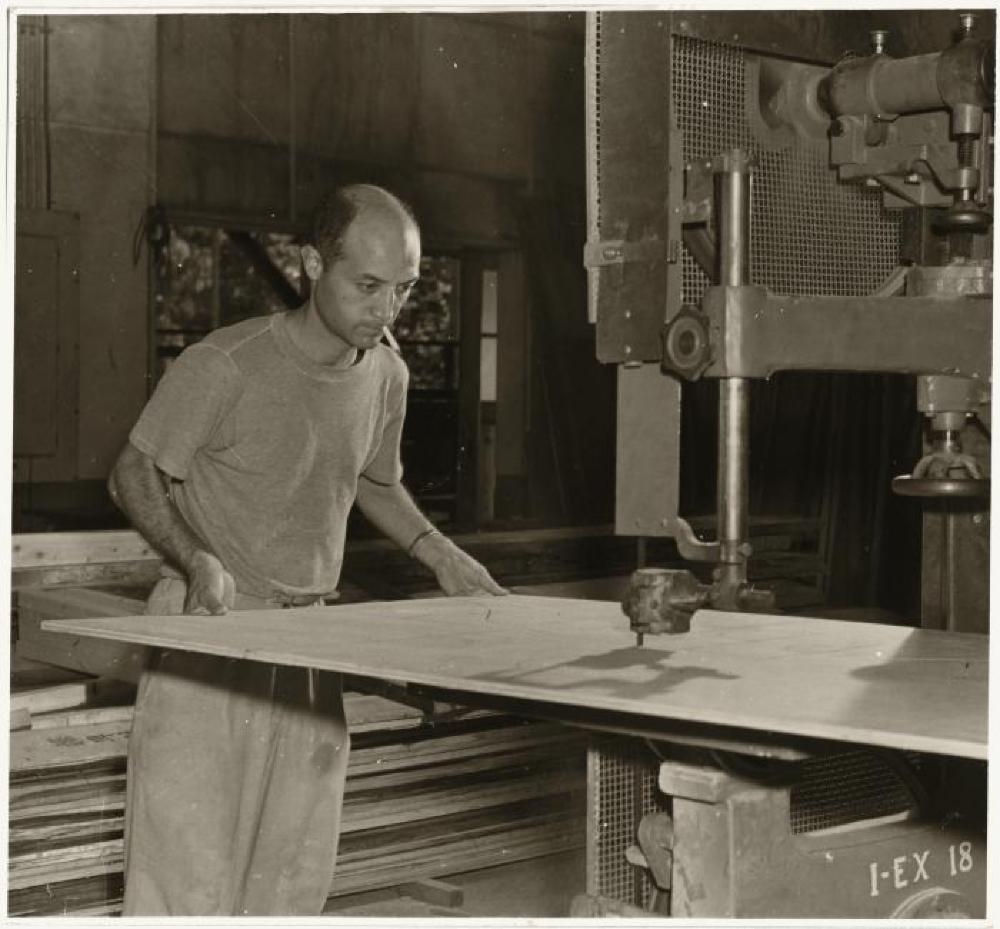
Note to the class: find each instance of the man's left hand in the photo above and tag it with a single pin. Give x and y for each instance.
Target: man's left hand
(458, 573)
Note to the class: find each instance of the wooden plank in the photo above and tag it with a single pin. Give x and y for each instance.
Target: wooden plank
(36, 672)
(63, 831)
(139, 574)
(114, 660)
(894, 687)
(434, 891)
(56, 697)
(52, 549)
(25, 674)
(29, 798)
(76, 550)
(45, 748)
(32, 750)
(454, 860)
(397, 778)
(46, 549)
(83, 717)
(426, 804)
(78, 603)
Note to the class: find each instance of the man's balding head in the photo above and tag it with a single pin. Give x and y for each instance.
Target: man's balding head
(338, 209)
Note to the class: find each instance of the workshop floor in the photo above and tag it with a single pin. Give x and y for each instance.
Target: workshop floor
(541, 888)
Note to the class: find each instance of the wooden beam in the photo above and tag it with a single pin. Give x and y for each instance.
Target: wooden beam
(46, 549)
(51, 549)
(55, 697)
(438, 893)
(115, 660)
(48, 748)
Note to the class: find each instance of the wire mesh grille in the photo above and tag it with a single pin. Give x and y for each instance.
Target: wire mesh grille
(810, 233)
(847, 788)
(622, 783)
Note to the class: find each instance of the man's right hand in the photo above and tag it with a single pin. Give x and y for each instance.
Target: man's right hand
(211, 590)
(142, 490)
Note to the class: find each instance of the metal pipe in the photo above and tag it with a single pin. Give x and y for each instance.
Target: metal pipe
(733, 169)
(950, 570)
(733, 482)
(882, 86)
(734, 176)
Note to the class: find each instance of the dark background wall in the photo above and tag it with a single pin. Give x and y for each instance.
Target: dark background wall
(461, 112)
(477, 119)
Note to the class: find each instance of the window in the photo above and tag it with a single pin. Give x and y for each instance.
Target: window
(427, 331)
(207, 277)
(427, 327)
(488, 339)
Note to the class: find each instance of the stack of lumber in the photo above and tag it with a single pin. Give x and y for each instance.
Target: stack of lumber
(428, 794)
(421, 801)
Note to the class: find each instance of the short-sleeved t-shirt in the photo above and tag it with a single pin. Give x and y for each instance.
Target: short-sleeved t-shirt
(267, 447)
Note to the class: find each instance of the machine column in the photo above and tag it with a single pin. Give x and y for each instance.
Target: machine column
(733, 178)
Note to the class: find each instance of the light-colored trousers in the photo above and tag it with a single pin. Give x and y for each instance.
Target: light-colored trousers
(236, 775)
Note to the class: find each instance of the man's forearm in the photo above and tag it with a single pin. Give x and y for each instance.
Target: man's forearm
(137, 486)
(393, 511)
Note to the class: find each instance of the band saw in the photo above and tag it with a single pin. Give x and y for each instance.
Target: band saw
(751, 764)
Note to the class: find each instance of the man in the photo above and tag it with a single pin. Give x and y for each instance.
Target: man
(241, 471)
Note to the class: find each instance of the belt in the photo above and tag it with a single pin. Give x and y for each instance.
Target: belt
(290, 601)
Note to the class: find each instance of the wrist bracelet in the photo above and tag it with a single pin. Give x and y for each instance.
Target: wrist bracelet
(420, 537)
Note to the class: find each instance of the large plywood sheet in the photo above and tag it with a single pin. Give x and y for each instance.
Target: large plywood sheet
(859, 682)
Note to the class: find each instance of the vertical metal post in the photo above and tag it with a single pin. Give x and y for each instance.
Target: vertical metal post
(733, 170)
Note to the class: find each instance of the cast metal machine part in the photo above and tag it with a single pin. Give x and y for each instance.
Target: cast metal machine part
(736, 842)
(919, 129)
(866, 96)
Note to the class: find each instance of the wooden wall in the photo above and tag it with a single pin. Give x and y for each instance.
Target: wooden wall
(99, 83)
(259, 113)
(250, 117)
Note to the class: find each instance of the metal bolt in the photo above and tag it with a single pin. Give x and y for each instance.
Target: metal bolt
(978, 519)
(664, 522)
(628, 349)
(878, 37)
(968, 21)
(913, 178)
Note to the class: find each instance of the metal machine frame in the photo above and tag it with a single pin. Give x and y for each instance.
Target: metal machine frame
(918, 131)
